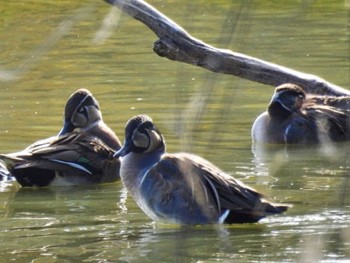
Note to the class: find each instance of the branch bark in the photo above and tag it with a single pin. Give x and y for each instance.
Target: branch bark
(176, 44)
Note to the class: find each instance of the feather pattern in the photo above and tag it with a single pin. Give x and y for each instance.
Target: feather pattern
(295, 117)
(77, 158)
(80, 154)
(184, 188)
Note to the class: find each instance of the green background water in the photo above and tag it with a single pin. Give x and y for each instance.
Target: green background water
(48, 49)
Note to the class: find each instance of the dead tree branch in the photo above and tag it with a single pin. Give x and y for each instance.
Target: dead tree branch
(176, 44)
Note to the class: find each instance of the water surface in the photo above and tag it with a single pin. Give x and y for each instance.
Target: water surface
(51, 48)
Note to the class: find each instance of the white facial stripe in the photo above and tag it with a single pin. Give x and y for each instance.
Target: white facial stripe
(155, 139)
(82, 101)
(140, 139)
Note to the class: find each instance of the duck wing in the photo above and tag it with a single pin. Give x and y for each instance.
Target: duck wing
(236, 202)
(77, 154)
(189, 183)
(172, 190)
(318, 124)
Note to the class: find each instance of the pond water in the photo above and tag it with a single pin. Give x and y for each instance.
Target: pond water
(49, 49)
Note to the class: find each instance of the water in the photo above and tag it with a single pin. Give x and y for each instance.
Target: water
(51, 48)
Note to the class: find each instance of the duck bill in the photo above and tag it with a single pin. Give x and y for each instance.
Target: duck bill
(276, 99)
(124, 150)
(67, 127)
(285, 102)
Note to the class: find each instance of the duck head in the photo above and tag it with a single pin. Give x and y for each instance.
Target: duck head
(141, 136)
(288, 98)
(81, 111)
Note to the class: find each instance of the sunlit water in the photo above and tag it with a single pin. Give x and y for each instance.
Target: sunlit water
(51, 48)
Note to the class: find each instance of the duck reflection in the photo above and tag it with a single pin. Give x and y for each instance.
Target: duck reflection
(61, 203)
(172, 243)
(318, 170)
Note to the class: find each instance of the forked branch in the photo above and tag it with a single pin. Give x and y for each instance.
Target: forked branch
(176, 44)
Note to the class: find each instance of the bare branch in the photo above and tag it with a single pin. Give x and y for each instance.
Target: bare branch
(176, 44)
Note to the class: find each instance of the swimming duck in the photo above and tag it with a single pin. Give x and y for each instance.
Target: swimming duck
(183, 188)
(71, 158)
(294, 117)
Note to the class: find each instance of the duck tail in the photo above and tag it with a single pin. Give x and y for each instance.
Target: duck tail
(254, 215)
(273, 208)
(7, 161)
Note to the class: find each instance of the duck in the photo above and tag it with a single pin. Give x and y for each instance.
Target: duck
(295, 117)
(80, 154)
(183, 188)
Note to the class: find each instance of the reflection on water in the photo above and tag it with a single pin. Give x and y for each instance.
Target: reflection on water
(50, 49)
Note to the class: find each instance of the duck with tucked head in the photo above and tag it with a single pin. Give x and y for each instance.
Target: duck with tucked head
(294, 117)
(82, 113)
(81, 154)
(183, 188)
